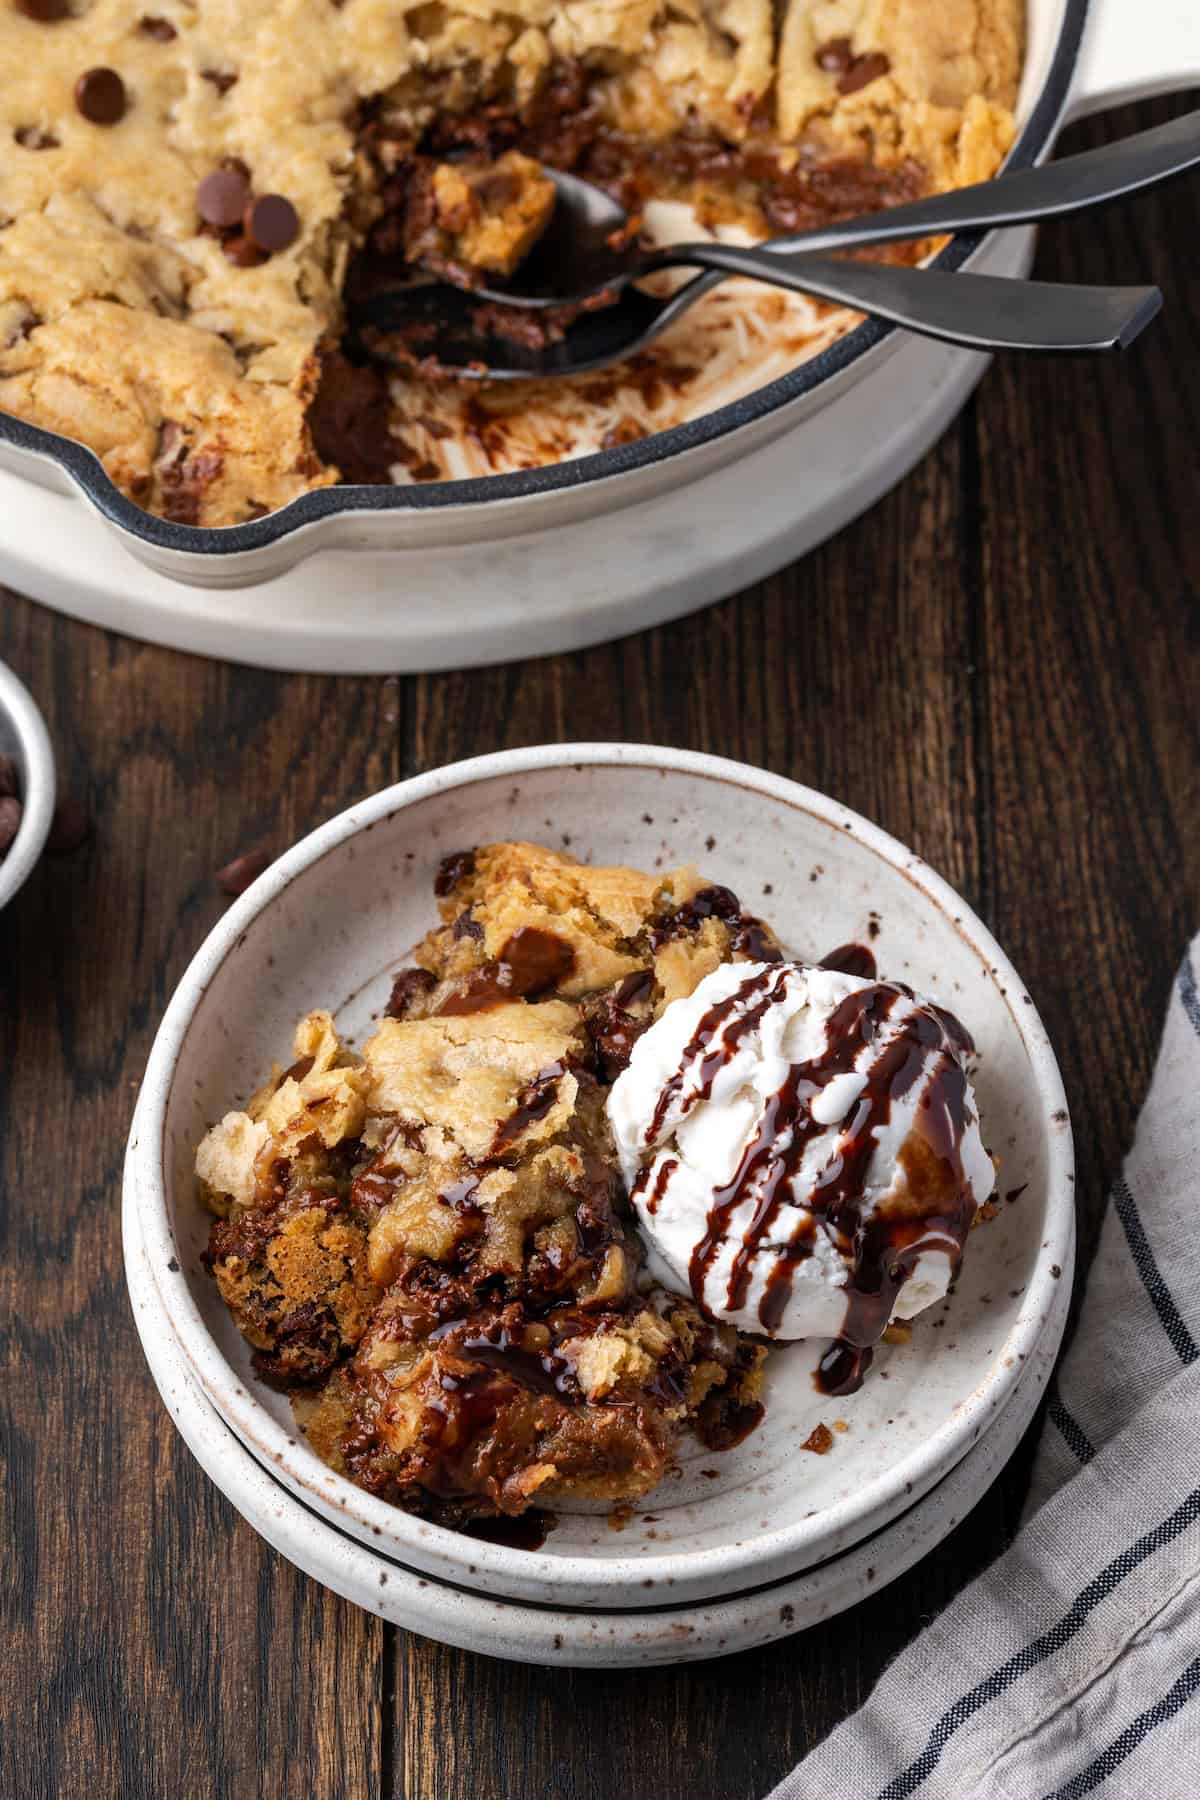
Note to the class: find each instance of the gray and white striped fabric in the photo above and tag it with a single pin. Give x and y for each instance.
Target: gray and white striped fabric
(1072, 1666)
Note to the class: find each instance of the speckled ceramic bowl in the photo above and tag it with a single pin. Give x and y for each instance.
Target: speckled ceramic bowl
(330, 921)
(548, 1635)
(23, 736)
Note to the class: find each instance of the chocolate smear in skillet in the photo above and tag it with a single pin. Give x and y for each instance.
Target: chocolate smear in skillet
(348, 418)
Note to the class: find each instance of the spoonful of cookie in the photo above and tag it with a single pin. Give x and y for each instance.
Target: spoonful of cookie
(572, 305)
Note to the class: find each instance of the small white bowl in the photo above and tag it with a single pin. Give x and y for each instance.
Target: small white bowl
(330, 921)
(23, 735)
(566, 1637)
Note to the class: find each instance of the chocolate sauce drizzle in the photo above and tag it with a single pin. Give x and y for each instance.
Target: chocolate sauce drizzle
(533, 1103)
(666, 1169)
(758, 993)
(493, 1346)
(851, 959)
(891, 1057)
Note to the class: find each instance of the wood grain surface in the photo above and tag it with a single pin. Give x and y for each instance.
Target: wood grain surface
(1000, 664)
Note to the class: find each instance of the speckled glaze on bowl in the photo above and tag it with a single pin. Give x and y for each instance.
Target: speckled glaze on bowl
(330, 921)
(546, 1635)
(23, 735)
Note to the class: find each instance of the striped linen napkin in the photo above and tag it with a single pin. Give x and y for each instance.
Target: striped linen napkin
(1072, 1665)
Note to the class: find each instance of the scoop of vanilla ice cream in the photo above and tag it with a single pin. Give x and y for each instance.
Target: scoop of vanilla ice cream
(803, 1149)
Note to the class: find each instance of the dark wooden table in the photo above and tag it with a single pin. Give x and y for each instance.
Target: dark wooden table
(1001, 664)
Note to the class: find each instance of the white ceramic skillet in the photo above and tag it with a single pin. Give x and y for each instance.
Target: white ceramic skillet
(330, 921)
(548, 1635)
(522, 562)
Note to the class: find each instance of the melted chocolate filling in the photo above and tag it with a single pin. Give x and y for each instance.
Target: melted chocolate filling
(524, 1531)
(451, 870)
(562, 128)
(851, 959)
(533, 1103)
(532, 963)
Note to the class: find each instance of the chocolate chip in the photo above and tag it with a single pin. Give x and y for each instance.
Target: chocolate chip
(271, 222)
(467, 925)
(21, 328)
(184, 473)
(100, 96)
(409, 988)
(451, 870)
(718, 902)
(835, 56)
(237, 875)
(8, 775)
(10, 821)
(46, 12)
(162, 29)
(221, 197)
(242, 252)
(222, 79)
(32, 137)
(69, 828)
(862, 71)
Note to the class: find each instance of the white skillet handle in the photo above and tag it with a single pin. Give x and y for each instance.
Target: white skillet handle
(1134, 48)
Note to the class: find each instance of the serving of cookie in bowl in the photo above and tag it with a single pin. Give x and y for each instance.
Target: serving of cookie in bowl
(563, 1221)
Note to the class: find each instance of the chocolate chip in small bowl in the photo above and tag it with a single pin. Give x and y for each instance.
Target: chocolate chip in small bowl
(70, 825)
(26, 784)
(11, 810)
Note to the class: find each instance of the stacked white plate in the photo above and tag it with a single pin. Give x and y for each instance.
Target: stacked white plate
(744, 1546)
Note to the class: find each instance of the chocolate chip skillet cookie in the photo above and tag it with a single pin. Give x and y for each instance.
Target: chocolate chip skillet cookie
(188, 185)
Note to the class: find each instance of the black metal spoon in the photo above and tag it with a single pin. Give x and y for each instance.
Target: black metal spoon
(574, 263)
